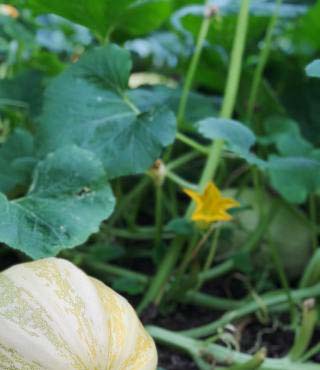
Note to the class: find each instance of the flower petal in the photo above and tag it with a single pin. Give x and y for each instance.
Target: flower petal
(193, 195)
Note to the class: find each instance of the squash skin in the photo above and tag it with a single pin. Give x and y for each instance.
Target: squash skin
(53, 316)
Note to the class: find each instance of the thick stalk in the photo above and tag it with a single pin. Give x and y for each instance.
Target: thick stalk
(283, 280)
(251, 307)
(164, 271)
(311, 274)
(312, 352)
(193, 144)
(230, 94)
(106, 270)
(212, 251)
(222, 355)
(305, 332)
(213, 159)
(178, 162)
(209, 301)
(219, 270)
(138, 188)
(180, 181)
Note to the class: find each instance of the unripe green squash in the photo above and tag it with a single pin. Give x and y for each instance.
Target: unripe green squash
(55, 317)
(289, 230)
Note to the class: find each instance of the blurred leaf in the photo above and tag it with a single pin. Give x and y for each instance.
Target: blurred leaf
(305, 33)
(89, 105)
(23, 91)
(267, 100)
(297, 173)
(313, 69)
(198, 107)
(144, 16)
(60, 35)
(294, 177)
(16, 161)
(237, 136)
(106, 252)
(180, 226)
(67, 200)
(285, 134)
(133, 16)
(128, 285)
(311, 275)
(164, 49)
(46, 62)
(95, 14)
(299, 94)
(243, 262)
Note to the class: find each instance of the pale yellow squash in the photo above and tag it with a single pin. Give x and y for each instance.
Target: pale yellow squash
(55, 317)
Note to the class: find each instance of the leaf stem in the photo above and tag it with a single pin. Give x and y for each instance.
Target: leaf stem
(216, 271)
(312, 352)
(262, 62)
(178, 162)
(231, 90)
(283, 280)
(106, 269)
(194, 63)
(158, 215)
(268, 300)
(313, 218)
(161, 277)
(212, 251)
(222, 355)
(213, 159)
(180, 181)
(305, 331)
(192, 143)
(125, 201)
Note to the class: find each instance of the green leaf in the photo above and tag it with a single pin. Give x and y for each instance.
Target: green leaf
(133, 16)
(294, 177)
(199, 106)
(144, 16)
(89, 105)
(16, 93)
(105, 252)
(16, 161)
(285, 134)
(180, 226)
(94, 14)
(313, 69)
(237, 136)
(68, 199)
(127, 285)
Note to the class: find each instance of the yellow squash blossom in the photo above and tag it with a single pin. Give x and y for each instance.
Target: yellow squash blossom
(211, 206)
(9, 11)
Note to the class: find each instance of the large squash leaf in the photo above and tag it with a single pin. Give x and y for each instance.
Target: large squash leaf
(67, 200)
(134, 16)
(237, 136)
(94, 14)
(16, 161)
(89, 105)
(295, 174)
(294, 177)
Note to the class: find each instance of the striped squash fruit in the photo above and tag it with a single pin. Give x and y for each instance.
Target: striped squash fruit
(55, 317)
